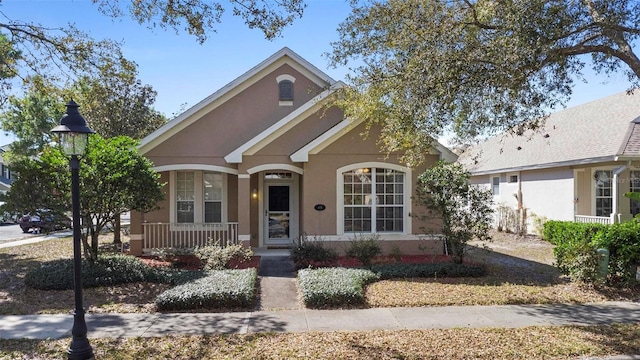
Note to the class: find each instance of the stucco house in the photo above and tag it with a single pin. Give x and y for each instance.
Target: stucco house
(577, 167)
(263, 160)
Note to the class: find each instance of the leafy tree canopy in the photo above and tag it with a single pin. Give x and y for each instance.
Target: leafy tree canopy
(115, 103)
(63, 54)
(462, 211)
(114, 178)
(475, 67)
(198, 17)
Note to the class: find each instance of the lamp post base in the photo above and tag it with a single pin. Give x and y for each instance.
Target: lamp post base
(79, 349)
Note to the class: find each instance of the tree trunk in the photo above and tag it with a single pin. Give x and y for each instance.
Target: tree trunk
(117, 225)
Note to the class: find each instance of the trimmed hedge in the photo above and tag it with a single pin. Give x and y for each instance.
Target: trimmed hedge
(107, 270)
(429, 270)
(327, 287)
(577, 245)
(218, 289)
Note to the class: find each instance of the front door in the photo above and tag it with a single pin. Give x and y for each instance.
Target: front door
(278, 212)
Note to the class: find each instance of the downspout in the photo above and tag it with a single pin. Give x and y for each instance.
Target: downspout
(615, 216)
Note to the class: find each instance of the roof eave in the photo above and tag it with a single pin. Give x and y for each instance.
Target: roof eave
(586, 161)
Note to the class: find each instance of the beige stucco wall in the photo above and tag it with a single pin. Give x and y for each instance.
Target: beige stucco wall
(320, 179)
(234, 122)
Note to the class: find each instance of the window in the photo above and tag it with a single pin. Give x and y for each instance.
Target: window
(373, 200)
(495, 185)
(604, 200)
(286, 90)
(200, 197)
(634, 186)
(513, 178)
(185, 196)
(212, 192)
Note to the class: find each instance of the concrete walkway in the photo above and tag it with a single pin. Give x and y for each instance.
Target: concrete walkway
(161, 324)
(278, 290)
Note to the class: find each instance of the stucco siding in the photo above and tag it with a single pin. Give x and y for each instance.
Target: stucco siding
(319, 180)
(233, 122)
(549, 193)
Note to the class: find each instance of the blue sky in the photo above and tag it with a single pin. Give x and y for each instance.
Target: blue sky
(184, 72)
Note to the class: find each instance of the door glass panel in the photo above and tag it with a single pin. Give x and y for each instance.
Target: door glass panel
(278, 212)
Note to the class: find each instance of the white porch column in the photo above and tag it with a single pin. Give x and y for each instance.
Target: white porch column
(244, 209)
(615, 216)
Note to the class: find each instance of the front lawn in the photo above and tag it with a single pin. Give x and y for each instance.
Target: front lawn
(519, 271)
(553, 343)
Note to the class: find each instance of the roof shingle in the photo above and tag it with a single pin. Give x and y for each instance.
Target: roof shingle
(597, 131)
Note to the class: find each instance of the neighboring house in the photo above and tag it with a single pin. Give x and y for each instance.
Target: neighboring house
(263, 160)
(5, 173)
(577, 167)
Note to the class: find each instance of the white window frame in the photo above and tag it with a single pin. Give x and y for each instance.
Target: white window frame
(594, 190)
(493, 185)
(285, 77)
(198, 216)
(407, 229)
(221, 200)
(634, 175)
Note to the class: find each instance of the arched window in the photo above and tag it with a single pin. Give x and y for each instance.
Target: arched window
(286, 90)
(373, 200)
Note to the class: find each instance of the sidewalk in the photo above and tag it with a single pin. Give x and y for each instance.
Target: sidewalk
(162, 324)
(31, 240)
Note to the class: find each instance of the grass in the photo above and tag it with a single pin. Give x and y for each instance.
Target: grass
(520, 272)
(569, 342)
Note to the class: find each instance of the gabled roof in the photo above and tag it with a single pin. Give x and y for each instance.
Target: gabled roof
(598, 131)
(284, 56)
(282, 126)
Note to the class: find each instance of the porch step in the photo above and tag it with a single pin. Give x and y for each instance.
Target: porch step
(278, 290)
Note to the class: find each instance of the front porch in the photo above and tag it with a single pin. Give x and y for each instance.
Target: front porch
(187, 236)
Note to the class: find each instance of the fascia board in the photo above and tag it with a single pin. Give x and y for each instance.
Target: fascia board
(578, 162)
(324, 140)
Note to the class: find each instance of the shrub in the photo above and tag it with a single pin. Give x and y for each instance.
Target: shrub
(220, 289)
(364, 248)
(430, 270)
(623, 242)
(308, 253)
(577, 245)
(106, 270)
(215, 257)
(562, 232)
(328, 287)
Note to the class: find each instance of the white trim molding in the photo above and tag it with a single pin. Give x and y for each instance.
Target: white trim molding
(407, 194)
(279, 128)
(285, 77)
(264, 167)
(203, 167)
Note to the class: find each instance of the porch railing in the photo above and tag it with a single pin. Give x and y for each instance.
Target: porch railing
(605, 220)
(173, 235)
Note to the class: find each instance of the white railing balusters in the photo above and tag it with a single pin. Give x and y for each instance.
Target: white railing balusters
(605, 220)
(173, 235)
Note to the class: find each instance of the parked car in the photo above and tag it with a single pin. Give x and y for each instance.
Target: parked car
(6, 217)
(43, 221)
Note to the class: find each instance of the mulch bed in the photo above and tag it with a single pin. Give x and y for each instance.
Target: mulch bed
(191, 262)
(386, 259)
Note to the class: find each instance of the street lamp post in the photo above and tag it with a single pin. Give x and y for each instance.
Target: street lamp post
(74, 135)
